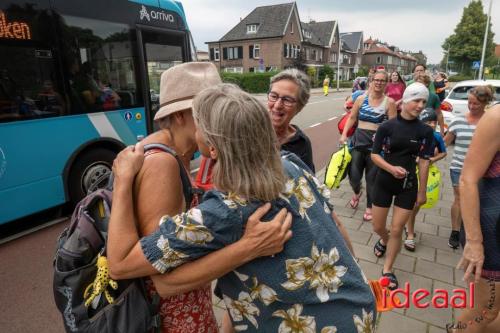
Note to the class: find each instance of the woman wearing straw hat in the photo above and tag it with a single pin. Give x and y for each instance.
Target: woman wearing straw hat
(313, 285)
(158, 191)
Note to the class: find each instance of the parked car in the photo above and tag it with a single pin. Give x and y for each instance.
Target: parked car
(455, 103)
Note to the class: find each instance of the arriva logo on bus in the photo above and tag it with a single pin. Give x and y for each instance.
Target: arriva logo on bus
(156, 15)
(13, 30)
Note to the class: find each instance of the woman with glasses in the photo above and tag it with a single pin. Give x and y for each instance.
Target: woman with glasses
(369, 111)
(288, 94)
(460, 131)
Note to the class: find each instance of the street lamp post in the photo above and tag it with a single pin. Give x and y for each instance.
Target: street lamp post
(481, 64)
(447, 60)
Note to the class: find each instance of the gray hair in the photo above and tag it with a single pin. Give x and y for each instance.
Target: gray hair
(301, 79)
(240, 129)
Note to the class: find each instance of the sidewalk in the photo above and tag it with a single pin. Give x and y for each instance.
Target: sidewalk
(431, 266)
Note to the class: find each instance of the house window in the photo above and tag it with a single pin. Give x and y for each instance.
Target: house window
(291, 28)
(389, 60)
(216, 54)
(314, 54)
(256, 51)
(232, 52)
(298, 52)
(334, 57)
(308, 54)
(233, 70)
(379, 59)
(320, 53)
(251, 28)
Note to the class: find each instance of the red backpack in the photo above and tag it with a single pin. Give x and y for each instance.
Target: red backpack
(343, 121)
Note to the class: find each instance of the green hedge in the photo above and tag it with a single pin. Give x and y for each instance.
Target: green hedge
(259, 82)
(460, 77)
(250, 82)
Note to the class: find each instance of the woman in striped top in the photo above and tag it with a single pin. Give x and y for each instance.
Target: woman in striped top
(461, 131)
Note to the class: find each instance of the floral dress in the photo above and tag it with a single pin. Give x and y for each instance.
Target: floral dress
(313, 285)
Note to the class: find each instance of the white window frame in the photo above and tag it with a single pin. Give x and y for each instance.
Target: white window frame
(216, 54)
(256, 47)
(291, 28)
(233, 70)
(252, 28)
(379, 60)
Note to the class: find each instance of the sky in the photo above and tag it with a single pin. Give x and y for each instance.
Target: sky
(408, 24)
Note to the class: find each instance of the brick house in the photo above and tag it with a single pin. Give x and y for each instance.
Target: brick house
(351, 53)
(378, 54)
(268, 38)
(320, 43)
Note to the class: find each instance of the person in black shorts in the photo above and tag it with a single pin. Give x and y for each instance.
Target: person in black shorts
(398, 142)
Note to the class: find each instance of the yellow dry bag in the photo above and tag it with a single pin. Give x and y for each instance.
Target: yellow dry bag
(433, 185)
(336, 168)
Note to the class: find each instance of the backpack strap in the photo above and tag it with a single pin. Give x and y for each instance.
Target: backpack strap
(187, 188)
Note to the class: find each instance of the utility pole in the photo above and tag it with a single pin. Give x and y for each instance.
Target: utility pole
(338, 60)
(447, 59)
(481, 65)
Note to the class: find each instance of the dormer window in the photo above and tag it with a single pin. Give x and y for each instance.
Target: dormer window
(252, 28)
(306, 33)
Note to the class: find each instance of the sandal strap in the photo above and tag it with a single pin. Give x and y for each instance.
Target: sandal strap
(392, 279)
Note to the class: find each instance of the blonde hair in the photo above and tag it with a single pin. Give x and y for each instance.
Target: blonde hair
(239, 127)
(424, 78)
(484, 93)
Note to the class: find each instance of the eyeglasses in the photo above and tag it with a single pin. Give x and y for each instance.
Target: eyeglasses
(379, 81)
(286, 100)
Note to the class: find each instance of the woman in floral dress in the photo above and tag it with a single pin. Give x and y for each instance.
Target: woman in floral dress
(313, 285)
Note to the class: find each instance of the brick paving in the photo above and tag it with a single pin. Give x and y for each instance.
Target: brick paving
(431, 266)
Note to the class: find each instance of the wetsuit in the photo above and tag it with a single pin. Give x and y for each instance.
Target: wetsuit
(401, 142)
(362, 142)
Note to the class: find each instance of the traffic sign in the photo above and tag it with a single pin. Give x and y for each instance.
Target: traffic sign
(476, 64)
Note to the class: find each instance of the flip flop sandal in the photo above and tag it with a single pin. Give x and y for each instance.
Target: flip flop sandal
(367, 217)
(380, 248)
(355, 200)
(392, 280)
(410, 244)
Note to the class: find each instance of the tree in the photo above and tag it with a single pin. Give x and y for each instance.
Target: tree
(326, 70)
(466, 43)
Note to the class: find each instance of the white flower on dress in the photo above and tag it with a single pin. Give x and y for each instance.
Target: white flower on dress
(319, 270)
(188, 231)
(243, 307)
(171, 258)
(241, 276)
(329, 329)
(294, 322)
(365, 324)
(302, 191)
(263, 292)
(232, 200)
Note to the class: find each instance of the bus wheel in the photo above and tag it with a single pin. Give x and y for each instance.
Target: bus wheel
(89, 172)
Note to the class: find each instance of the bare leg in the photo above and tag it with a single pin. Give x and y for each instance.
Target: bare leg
(484, 296)
(456, 218)
(379, 222)
(227, 326)
(410, 226)
(399, 219)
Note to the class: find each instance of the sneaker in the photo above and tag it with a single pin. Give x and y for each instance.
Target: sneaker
(454, 242)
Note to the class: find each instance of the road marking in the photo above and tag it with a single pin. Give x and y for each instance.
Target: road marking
(327, 100)
(317, 124)
(332, 118)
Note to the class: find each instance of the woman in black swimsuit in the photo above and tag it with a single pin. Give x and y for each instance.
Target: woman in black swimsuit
(398, 142)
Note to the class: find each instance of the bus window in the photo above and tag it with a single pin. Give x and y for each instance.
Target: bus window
(100, 65)
(28, 87)
(162, 52)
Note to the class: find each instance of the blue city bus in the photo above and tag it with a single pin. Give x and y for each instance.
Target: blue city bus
(79, 80)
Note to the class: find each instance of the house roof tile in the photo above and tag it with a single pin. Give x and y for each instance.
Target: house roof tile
(270, 20)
